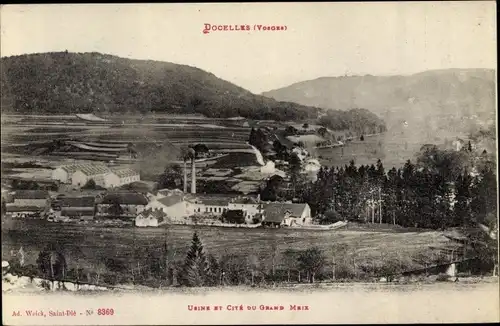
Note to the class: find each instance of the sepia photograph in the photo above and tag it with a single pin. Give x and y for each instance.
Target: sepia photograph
(249, 163)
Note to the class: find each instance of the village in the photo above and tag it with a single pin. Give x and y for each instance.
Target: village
(96, 192)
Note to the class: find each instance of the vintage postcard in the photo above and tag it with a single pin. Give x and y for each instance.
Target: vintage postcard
(249, 163)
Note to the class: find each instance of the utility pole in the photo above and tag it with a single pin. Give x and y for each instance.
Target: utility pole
(379, 206)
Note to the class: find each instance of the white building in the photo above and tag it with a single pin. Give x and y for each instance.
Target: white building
(150, 217)
(173, 206)
(269, 168)
(125, 176)
(101, 174)
(286, 214)
(64, 173)
(80, 174)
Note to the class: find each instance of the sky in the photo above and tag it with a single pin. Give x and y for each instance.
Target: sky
(321, 39)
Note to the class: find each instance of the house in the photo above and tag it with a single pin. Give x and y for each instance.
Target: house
(100, 173)
(286, 214)
(167, 192)
(151, 217)
(82, 208)
(173, 206)
(269, 168)
(124, 176)
(458, 144)
(64, 173)
(28, 202)
(121, 204)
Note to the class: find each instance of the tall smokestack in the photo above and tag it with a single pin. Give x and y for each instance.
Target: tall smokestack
(193, 176)
(185, 177)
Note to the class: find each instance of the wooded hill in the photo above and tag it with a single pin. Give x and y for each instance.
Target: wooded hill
(69, 83)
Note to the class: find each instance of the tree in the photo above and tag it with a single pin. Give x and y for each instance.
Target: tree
(52, 263)
(362, 138)
(90, 184)
(233, 216)
(291, 131)
(312, 261)
(295, 167)
(115, 209)
(290, 261)
(214, 271)
(196, 265)
(200, 150)
(4, 207)
(322, 131)
(171, 177)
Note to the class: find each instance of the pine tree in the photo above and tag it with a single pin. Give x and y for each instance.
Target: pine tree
(196, 265)
(214, 271)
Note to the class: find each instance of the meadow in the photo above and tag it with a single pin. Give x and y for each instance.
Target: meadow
(358, 249)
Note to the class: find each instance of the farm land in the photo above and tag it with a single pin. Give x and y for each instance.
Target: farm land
(357, 250)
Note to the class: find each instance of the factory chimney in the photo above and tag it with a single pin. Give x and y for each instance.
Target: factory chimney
(193, 176)
(185, 176)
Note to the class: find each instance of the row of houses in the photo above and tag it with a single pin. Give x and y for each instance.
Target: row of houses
(79, 174)
(177, 206)
(152, 210)
(39, 203)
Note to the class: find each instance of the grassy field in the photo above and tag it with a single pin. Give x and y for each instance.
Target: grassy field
(359, 249)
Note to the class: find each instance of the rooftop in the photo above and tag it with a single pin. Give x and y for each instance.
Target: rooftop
(31, 194)
(124, 173)
(171, 200)
(275, 212)
(125, 198)
(210, 199)
(88, 169)
(158, 214)
(86, 201)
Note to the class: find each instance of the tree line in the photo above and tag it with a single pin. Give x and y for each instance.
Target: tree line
(442, 189)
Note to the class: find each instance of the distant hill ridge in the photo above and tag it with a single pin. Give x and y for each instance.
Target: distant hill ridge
(457, 91)
(69, 83)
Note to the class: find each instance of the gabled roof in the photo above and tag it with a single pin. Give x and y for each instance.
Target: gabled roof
(86, 201)
(275, 212)
(88, 169)
(31, 208)
(210, 200)
(244, 200)
(125, 198)
(31, 194)
(91, 170)
(170, 200)
(124, 173)
(168, 192)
